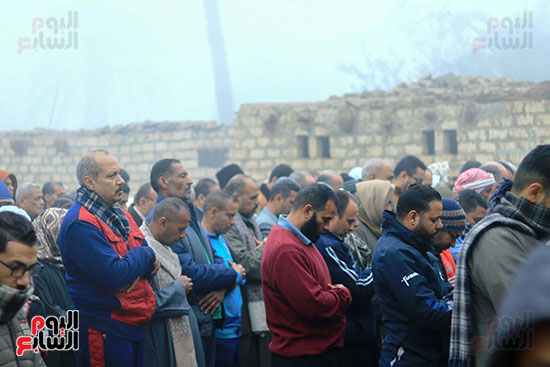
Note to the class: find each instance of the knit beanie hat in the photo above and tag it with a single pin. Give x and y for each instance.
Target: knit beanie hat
(453, 216)
(226, 173)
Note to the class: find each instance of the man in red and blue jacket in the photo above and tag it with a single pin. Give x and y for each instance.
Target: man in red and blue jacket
(107, 262)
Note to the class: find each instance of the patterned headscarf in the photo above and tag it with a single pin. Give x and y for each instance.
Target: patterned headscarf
(474, 179)
(47, 227)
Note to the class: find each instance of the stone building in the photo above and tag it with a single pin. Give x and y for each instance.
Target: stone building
(445, 118)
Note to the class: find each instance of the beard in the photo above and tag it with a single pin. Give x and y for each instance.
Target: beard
(421, 232)
(310, 229)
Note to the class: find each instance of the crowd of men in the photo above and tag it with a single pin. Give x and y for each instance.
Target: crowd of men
(381, 266)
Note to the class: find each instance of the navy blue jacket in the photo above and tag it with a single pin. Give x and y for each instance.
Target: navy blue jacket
(360, 316)
(415, 298)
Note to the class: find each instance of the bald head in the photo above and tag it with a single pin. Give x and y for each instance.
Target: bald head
(377, 169)
(497, 169)
(331, 178)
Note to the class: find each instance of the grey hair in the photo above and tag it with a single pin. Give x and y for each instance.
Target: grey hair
(300, 177)
(25, 189)
(373, 166)
(88, 166)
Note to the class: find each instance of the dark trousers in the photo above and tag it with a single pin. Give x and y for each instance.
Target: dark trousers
(255, 350)
(360, 354)
(331, 358)
(100, 349)
(227, 352)
(209, 348)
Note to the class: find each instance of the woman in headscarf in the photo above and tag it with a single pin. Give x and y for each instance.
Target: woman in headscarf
(374, 196)
(10, 181)
(478, 180)
(49, 285)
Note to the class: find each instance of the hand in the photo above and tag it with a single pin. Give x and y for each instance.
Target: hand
(259, 243)
(187, 283)
(211, 301)
(156, 266)
(334, 286)
(238, 268)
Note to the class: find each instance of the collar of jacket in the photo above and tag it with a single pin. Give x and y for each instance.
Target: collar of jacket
(390, 225)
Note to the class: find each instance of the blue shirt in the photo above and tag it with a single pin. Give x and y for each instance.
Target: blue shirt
(286, 224)
(232, 302)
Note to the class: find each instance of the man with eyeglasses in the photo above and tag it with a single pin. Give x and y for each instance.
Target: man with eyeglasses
(18, 251)
(144, 201)
(408, 171)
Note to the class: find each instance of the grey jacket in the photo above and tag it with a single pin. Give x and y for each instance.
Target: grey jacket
(266, 220)
(9, 332)
(494, 260)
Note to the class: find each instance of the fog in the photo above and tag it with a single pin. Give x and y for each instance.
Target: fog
(136, 61)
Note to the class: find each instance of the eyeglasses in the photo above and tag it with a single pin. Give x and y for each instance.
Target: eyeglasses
(19, 270)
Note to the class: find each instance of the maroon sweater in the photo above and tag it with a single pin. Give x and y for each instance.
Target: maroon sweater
(305, 316)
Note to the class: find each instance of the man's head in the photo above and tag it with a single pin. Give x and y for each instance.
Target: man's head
(302, 177)
(331, 178)
(313, 209)
(282, 194)
(419, 209)
(410, 170)
(470, 164)
(202, 189)
(145, 199)
(453, 219)
(428, 177)
(51, 191)
(377, 169)
(220, 208)
(18, 250)
(497, 169)
(123, 202)
(474, 205)
(29, 198)
(170, 220)
(281, 170)
(347, 209)
(99, 172)
(170, 179)
(246, 190)
(532, 180)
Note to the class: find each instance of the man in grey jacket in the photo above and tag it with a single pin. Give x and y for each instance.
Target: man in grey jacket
(493, 251)
(18, 251)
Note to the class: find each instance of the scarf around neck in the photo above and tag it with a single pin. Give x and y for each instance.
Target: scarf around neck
(113, 217)
(514, 212)
(11, 301)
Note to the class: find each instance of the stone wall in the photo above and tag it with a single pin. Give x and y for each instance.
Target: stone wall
(485, 119)
(42, 155)
(446, 118)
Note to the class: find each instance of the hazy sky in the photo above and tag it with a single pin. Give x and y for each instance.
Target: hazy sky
(139, 60)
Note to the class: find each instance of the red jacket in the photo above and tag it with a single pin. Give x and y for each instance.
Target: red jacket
(304, 314)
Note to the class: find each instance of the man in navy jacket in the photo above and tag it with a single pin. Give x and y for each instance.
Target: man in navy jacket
(211, 278)
(415, 297)
(359, 341)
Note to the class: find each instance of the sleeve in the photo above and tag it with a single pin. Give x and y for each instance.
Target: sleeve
(170, 301)
(206, 277)
(410, 288)
(344, 271)
(307, 296)
(494, 261)
(265, 228)
(90, 251)
(251, 260)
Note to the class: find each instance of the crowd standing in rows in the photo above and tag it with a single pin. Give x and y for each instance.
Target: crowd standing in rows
(380, 266)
